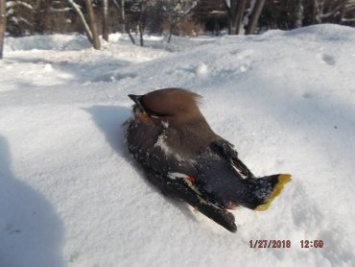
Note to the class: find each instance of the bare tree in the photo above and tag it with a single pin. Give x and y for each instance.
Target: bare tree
(141, 9)
(90, 27)
(141, 22)
(239, 10)
(175, 11)
(348, 12)
(235, 10)
(299, 13)
(342, 10)
(2, 25)
(255, 15)
(334, 11)
(93, 25)
(123, 16)
(120, 6)
(80, 14)
(105, 31)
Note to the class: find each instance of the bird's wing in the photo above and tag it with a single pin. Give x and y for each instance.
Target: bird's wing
(227, 151)
(184, 189)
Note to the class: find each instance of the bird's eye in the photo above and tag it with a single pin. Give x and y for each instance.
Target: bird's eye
(153, 114)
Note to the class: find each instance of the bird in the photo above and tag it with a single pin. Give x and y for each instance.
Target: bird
(184, 158)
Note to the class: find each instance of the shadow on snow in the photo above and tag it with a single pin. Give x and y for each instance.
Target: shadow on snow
(31, 232)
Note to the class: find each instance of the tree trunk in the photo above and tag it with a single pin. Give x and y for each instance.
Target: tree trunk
(141, 31)
(342, 11)
(141, 23)
(171, 29)
(130, 35)
(239, 17)
(2, 25)
(93, 25)
(254, 17)
(231, 8)
(235, 10)
(121, 9)
(105, 31)
(318, 6)
(78, 11)
(123, 16)
(299, 14)
(176, 18)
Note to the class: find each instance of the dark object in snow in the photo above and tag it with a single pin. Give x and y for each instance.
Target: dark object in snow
(184, 158)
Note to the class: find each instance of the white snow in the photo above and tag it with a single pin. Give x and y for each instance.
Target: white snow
(70, 195)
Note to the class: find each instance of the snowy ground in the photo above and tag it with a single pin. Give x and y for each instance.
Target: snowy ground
(71, 196)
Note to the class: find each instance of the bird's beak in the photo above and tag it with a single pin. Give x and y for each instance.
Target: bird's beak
(137, 100)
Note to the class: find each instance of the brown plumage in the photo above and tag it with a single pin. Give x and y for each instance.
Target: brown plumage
(183, 157)
(189, 130)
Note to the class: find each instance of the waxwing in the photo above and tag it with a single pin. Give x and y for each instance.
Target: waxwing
(181, 155)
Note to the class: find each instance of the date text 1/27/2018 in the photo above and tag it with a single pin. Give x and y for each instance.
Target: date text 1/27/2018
(284, 243)
(270, 243)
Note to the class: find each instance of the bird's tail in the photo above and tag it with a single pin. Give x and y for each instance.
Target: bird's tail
(262, 191)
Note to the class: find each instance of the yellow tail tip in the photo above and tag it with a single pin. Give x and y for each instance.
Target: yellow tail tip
(282, 179)
(263, 207)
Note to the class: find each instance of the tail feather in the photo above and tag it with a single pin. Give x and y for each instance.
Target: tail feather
(265, 190)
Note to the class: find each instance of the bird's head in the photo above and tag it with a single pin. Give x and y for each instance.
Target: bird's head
(173, 105)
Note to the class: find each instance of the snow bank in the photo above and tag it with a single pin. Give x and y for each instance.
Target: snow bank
(47, 42)
(70, 195)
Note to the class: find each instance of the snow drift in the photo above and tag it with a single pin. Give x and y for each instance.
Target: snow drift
(70, 195)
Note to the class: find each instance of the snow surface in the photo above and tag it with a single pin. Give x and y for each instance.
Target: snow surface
(70, 195)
